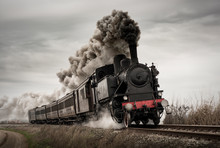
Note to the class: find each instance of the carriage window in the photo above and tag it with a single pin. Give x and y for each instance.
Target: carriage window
(66, 103)
(32, 113)
(69, 102)
(54, 108)
(82, 93)
(48, 110)
(61, 105)
(43, 111)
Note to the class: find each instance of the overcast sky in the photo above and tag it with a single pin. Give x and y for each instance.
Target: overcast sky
(181, 37)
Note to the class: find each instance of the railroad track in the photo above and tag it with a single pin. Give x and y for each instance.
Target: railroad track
(190, 131)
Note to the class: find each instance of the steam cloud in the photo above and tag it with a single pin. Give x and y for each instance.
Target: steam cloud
(105, 121)
(17, 108)
(112, 36)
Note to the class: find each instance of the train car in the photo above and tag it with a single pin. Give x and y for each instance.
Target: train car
(32, 115)
(85, 102)
(41, 114)
(66, 108)
(82, 98)
(52, 112)
(49, 113)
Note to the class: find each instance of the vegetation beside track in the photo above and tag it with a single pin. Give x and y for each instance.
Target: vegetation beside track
(57, 136)
(206, 113)
(30, 138)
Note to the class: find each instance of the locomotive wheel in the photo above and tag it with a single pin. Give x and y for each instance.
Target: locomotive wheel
(117, 116)
(137, 122)
(156, 121)
(145, 122)
(116, 104)
(127, 119)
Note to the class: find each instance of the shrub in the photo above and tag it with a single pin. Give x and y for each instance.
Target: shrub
(207, 113)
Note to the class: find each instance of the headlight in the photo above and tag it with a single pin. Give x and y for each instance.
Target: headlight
(160, 94)
(125, 98)
(128, 107)
(164, 103)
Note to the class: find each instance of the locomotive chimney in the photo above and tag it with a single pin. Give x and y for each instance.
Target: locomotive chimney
(133, 52)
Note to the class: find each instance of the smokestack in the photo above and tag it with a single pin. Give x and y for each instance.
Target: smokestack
(133, 52)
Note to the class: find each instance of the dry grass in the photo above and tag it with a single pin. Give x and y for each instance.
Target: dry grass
(178, 116)
(55, 136)
(206, 113)
(78, 136)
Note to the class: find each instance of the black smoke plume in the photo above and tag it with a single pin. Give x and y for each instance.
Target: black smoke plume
(113, 35)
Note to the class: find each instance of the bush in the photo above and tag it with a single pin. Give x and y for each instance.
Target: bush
(207, 113)
(178, 115)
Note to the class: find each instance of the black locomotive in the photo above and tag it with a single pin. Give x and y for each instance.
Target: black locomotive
(127, 88)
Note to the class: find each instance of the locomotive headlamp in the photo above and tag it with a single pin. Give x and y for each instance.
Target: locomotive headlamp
(128, 107)
(164, 103)
(125, 98)
(160, 93)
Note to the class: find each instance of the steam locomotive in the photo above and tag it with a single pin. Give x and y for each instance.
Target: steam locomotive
(127, 88)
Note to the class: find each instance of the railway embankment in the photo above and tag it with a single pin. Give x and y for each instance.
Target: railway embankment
(82, 136)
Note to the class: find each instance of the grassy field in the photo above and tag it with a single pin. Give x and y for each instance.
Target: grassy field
(46, 136)
(206, 113)
(31, 138)
(75, 136)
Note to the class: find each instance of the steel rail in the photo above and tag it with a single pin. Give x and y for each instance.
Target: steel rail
(214, 128)
(180, 132)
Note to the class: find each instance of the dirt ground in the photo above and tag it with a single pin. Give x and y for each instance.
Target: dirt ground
(10, 139)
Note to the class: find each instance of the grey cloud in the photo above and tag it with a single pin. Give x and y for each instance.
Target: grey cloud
(37, 37)
(182, 16)
(200, 12)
